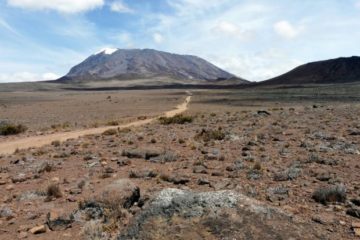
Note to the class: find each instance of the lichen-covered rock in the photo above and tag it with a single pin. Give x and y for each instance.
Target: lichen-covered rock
(179, 214)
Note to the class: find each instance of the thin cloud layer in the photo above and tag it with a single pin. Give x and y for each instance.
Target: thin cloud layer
(254, 39)
(66, 6)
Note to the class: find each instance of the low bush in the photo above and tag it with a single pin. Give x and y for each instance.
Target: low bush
(110, 132)
(112, 123)
(53, 191)
(11, 129)
(177, 119)
(330, 194)
(208, 135)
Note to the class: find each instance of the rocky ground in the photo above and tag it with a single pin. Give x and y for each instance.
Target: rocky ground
(283, 171)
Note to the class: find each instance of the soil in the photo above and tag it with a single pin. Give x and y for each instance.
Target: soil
(275, 152)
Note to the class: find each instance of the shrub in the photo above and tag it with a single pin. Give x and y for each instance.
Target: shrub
(257, 166)
(177, 119)
(56, 143)
(53, 191)
(93, 230)
(112, 123)
(110, 132)
(208, 135)
(11, 129)
(330, 194)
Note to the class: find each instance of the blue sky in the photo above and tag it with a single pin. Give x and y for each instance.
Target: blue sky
(255, 39)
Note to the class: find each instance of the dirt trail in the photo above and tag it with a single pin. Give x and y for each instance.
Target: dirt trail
(38, 141)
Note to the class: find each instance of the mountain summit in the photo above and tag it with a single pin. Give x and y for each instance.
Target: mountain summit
(339, 70)
(122, 64)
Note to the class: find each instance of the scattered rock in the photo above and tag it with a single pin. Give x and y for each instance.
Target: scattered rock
(263, 113)
(354, 212)
(123, 162)
(277, 194)
(200, 169)
(55, 222)
(203, 181)
(7, 213)
(21, 177)
(38, 230)
(175, 179)
(143, 174)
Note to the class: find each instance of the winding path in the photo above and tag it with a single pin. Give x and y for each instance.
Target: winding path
(10, 147)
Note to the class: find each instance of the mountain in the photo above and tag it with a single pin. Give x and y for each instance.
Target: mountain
(125, 64)
(340, 70)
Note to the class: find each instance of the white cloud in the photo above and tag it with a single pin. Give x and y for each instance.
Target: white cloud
(27, 77)
(232, 30)
(286, 30)
(120, 7)
(50, 76)
(158, 38)
(191, 7)
(256, 66)
(64, 6)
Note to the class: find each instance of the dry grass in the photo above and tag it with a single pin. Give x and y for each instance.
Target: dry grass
(207, 135)
(53, 191)
(110, 132)
(177, 119)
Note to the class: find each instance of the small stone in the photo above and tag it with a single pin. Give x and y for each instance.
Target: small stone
(21, 177)
(203, 181)
(9, 187)
(55, 180)
(355, 224)
(75, 191)
(200, 169)
(38, 230)
(357, 231)
(23, 235)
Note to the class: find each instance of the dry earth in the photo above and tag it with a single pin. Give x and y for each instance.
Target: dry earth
(275, 153)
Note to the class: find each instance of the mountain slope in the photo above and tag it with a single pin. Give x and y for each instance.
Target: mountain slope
(340, 70)
(121, 64)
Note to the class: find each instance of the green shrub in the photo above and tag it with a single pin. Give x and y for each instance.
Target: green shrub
(177, 119)
(11, 129)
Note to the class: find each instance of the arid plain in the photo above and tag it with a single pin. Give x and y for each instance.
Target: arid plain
(291, 152)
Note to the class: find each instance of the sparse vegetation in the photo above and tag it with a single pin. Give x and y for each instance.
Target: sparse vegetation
(110, 132)
(53, 191)
(93, 230)
(56, 143)
(112, 123)
(207, 135)
(61, 126)
(177, 119)
(330, 194)
(11, 129)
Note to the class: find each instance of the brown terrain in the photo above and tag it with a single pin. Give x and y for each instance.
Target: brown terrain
(237, 164)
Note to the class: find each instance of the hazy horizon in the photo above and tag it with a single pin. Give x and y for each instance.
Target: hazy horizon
(253, 39)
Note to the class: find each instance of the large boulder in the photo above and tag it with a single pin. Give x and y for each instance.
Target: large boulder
(179, 214)
(120, 193)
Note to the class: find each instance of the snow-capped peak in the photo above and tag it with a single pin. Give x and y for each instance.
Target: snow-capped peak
(108, 51)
